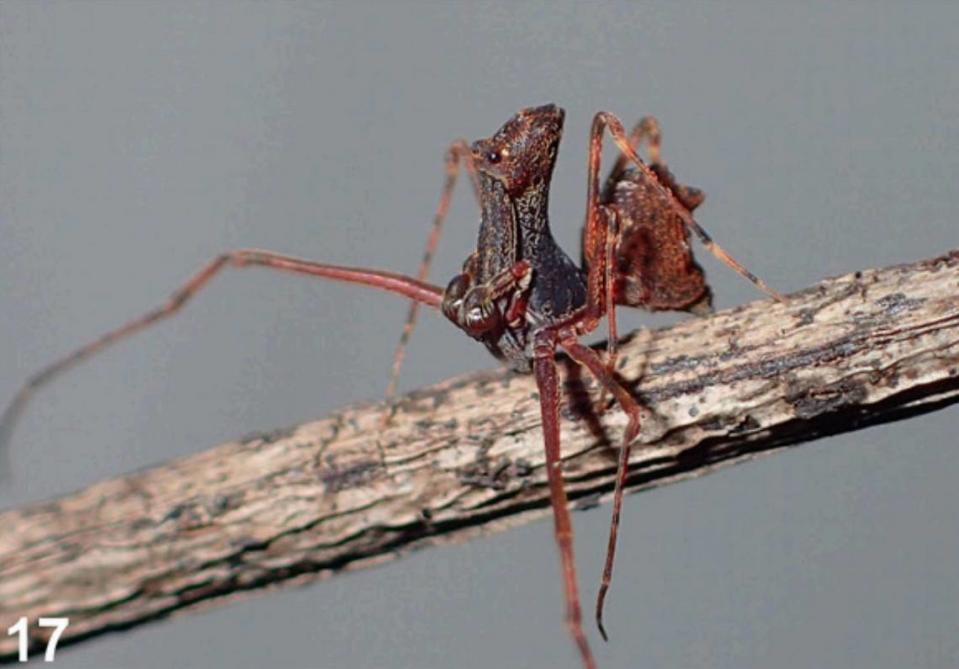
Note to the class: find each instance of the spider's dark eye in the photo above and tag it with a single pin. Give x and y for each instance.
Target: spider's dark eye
(493, 157)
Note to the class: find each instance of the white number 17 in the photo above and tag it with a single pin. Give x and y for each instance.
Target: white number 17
(20, 629)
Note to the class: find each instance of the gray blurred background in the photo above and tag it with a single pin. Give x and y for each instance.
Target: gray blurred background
(139, 139)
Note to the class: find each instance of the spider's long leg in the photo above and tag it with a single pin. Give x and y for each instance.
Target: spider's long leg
(458, 150)
(607, 121)
(544, 366)
(395, 283)
(728, 260)
(612, 252)
(589, 359)
(647, 129)
(601, 242)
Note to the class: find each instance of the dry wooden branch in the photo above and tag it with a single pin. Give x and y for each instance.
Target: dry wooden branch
(465, 456)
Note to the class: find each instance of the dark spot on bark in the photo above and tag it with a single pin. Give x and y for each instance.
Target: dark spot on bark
(747, 424)
(897, 303)
(806, 316)
(426, 514)
(187, 515)
(269, 436)
(223, 503)
(733, 350)
(235, 560)
(677, 364)
(484, 473)
(936, 264)
(483, 389)
(522, 468)
(712, 424)
(812, 401)
(440, 397)
(176, 512)
(358, 474)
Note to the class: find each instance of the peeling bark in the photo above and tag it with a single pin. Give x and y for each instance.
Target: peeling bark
(465, 456)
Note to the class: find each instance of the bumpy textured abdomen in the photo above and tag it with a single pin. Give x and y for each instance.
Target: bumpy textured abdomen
(655, 261)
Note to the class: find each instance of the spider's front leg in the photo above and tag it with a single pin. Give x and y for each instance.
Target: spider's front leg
(475, 307)
(545, 342)
(547, 380)
(397, 284)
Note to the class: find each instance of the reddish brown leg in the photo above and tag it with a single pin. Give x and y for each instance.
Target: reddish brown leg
(647, 129)
(589, 359)
(544, 366)
(395, 283)
(598, 242)
(609, 301)
(472, 306)
(605, 120)
(458, 150)
(609, 277)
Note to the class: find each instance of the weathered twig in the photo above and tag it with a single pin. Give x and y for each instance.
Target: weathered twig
(465, 456)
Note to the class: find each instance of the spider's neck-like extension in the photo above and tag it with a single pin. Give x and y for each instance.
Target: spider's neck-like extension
(513, 227)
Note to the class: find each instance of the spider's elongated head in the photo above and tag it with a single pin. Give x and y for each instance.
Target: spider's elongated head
(523, 151)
